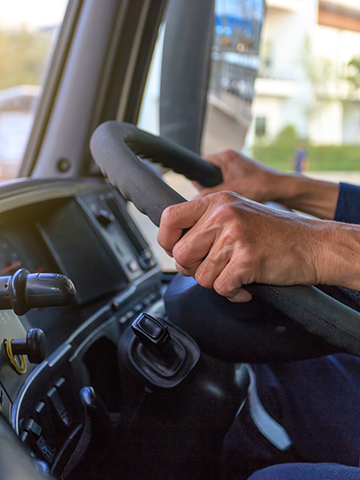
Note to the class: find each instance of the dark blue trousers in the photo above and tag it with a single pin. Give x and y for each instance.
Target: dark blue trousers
(316, 403)
(307, 471)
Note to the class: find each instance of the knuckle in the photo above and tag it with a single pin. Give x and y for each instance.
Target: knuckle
(181, 254)
(230, 238)
(203, 279)
(216, 199)
(226, 210)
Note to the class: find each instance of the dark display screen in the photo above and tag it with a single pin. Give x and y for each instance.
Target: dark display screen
(80, 254)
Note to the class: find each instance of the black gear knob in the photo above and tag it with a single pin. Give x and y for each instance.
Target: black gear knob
(34, 345)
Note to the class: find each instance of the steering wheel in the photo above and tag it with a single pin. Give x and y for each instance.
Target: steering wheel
(116, 147)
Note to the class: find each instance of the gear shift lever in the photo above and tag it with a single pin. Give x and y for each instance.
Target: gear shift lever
(161, 353)
(158, 345)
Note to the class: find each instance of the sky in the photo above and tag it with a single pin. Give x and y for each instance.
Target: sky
(32, 13)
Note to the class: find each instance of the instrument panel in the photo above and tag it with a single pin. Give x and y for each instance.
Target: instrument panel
(80, 229)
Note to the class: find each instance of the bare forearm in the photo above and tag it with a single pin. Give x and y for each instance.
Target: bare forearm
(315, 197)
(262, 183)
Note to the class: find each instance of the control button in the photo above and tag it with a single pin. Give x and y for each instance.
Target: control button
(150, 330)
(32, 427)
(129, 315)
(146, 260)
(44, 417)
(132, 266)
(138, 307)
(25, 438)
(59, 408)
(150, 298)
(34, 433)
(104, 218)
(60, 384)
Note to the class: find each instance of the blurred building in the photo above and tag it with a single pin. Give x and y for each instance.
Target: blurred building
(305, 51)
(17, 106)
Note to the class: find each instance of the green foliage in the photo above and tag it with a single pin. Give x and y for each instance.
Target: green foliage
(23, 56)
(280, 152)
(287, 137)
(322, 158)
(354, 77)
(335, 158)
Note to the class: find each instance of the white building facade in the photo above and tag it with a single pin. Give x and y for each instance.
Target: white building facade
(306, 48)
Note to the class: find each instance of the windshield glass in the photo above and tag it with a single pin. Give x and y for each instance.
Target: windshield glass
(28, 31)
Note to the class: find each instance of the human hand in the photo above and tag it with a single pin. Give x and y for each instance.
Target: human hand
(232, 242)
(244, 176)
(262, 183)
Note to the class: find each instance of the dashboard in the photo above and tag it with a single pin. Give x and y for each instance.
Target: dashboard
(81, 229)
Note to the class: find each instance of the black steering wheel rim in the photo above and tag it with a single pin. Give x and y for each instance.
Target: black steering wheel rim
(115, 146)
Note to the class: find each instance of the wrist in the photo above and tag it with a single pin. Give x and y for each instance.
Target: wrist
(338, 254)
(308, 195)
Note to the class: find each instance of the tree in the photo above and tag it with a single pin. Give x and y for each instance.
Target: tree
(354, 77)
(23, 56)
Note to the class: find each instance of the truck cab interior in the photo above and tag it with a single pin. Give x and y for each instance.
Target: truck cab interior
(143, 371)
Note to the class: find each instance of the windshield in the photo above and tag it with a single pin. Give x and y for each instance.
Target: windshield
(301, 114)
(28, 32)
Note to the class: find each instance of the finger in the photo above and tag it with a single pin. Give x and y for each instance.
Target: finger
(193, 247)
(211, 267)
(229, 282)
(180, 269)
(242, 296)
(177, 218)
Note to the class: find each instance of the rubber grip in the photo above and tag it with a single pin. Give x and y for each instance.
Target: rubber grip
(167, 153)
(135, 180)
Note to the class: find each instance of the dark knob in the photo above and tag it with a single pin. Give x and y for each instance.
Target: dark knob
(156, 341)
(150, 330)
(34, 346)
(97, 413)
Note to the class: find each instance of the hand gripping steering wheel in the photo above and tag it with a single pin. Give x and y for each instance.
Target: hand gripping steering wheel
(116, 147)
